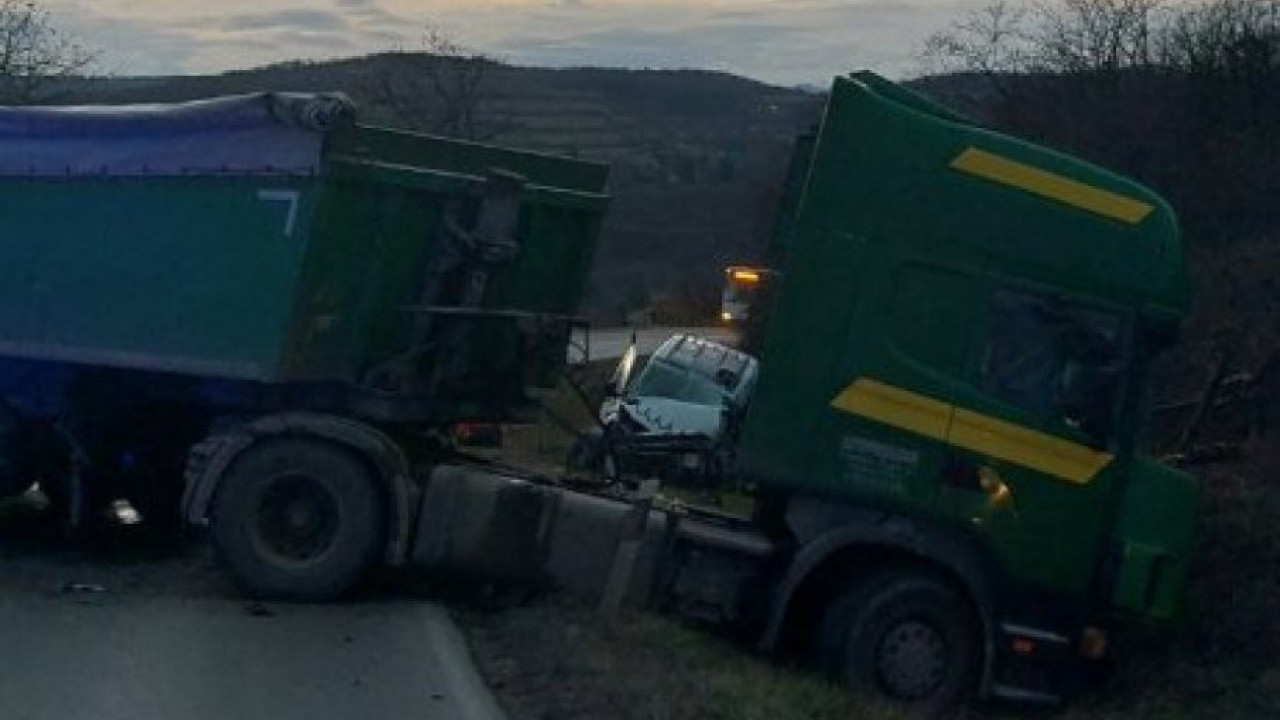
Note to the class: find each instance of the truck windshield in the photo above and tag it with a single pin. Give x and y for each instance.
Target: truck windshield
(1057, 360)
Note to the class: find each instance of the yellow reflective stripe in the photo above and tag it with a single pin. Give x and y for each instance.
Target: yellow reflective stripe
(1037, 451)
(900, 408)
(973, 431)
(1053, 186)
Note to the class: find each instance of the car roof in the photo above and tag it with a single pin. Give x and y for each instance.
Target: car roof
(705, 356)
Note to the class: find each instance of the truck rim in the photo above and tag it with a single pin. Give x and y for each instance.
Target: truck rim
(297, 519)
(912, 660)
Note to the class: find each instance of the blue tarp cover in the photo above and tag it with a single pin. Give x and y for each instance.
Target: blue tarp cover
(245, 134)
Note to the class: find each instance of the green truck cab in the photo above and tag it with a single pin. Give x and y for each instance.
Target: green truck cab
(953, 377)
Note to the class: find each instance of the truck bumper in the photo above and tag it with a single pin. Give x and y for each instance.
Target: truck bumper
(1040, 667)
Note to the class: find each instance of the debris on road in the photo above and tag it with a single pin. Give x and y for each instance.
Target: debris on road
(75, 588)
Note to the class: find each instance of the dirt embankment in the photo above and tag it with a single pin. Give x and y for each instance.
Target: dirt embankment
(550, 660)
(555, 660)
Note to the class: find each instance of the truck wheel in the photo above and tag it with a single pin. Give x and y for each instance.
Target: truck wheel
(298, 520)
(904, 636)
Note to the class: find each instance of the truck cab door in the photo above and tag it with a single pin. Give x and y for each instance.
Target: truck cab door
(910, 345)
(1033, 447)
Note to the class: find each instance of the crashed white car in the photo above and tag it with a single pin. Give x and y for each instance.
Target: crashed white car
(688, 386)
(671, 418)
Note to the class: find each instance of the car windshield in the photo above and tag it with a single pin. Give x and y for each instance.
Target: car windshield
(664, 380)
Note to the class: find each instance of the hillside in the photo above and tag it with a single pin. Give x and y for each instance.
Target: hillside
(698, 157)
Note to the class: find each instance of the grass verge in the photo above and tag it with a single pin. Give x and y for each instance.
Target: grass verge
(556, 660)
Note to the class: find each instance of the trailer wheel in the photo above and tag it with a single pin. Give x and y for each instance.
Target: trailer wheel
(298, 520)
(904, 636)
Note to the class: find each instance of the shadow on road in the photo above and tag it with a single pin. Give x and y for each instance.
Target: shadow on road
(37, 555)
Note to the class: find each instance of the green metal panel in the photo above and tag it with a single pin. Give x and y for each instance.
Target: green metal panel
(381, 219)
(1156, 533)
(793, 193)
(467, 158)
(366, 264)
(911, 222)
(556, 244)
(185, 274)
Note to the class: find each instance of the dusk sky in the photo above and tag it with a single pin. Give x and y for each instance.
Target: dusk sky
(781, 41)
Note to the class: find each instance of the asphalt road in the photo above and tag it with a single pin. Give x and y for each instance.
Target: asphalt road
(108, 634)
(609, 343)
(120, 631)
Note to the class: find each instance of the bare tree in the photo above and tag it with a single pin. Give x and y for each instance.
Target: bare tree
(993, 41)
(440, 89)
(1097, 36)
(1083, 73)
(34, 54)
(1226, 38)
(1063, 37)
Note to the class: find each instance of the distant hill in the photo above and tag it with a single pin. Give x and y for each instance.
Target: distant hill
(698, 157)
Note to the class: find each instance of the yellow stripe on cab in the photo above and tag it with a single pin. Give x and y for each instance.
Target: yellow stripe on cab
(968, 430)
(1012, 173)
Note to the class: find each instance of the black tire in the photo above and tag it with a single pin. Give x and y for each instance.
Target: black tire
(905, 637)
(298, 520)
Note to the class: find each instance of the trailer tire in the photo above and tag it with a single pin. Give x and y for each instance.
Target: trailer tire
(903, 636)
(298, 520)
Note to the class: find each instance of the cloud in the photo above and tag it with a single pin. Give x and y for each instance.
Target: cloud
(129, 48)
(784, 41)
(795, 42)
(367, 13)
(291, 19)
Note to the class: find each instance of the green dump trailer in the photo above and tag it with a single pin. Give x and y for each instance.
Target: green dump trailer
(166, 268)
